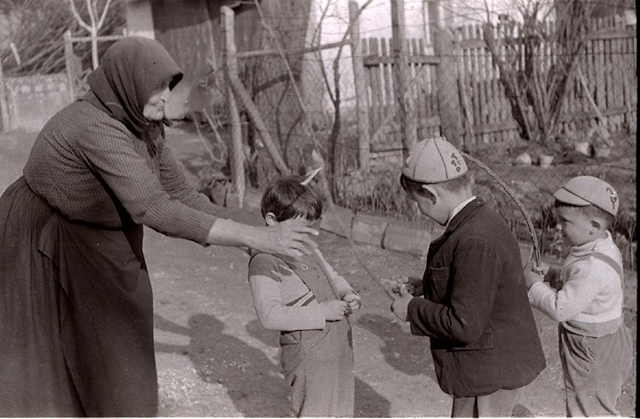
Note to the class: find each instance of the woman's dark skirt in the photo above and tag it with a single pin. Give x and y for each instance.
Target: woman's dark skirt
(76, 315)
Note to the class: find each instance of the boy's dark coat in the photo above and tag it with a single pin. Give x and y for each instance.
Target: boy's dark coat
(475, 307)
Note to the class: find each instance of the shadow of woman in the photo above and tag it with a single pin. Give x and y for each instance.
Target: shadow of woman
(368, 403)
(251, 380)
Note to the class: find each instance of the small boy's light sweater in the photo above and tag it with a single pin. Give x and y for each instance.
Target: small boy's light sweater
(588, 297)
(282, 300)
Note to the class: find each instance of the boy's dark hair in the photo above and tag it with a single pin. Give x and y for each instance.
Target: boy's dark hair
(590, 211)
(454, 185)
(287, 198)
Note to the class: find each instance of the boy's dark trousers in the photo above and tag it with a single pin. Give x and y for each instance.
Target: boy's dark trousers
(594, 370)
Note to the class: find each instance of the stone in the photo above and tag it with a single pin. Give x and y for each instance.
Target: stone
(524, 158)
(406, 237)
(368, 229)
(337, 220)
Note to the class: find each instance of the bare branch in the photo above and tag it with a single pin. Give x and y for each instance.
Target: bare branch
(92, 17)
(77, 16)
(104, 13)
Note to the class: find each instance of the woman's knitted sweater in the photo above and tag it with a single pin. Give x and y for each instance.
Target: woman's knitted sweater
(92, 169)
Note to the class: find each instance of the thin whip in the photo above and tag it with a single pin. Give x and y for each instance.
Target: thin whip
(535, 250)
(534, 238)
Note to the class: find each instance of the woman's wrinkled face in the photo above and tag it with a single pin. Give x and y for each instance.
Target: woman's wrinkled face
(154, 108)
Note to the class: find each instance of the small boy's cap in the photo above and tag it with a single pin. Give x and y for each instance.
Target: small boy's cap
(588, 190)
(434, 160)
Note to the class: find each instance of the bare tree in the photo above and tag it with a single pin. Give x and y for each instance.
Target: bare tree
(96, 20)
(536, 81)
(36, 28)
(332, 85)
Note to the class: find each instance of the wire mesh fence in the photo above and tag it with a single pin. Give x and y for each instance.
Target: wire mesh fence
(537, 101)
(474, 83)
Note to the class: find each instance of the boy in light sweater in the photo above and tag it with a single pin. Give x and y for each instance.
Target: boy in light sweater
(586, 297)
(307, 301)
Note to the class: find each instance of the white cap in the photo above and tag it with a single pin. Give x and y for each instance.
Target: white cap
(434, 160)
(588, 190)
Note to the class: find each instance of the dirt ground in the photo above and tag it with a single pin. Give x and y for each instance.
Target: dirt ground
(214, 358)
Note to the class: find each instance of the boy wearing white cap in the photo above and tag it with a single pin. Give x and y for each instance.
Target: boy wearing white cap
(586, 297)
(484, 339)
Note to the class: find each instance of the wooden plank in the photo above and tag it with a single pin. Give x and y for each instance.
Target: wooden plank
(609, 73)
(376, 86)
(414, 59)
(475, 85)
(231, 65)
(618, 60)
(600, 97)
(362, 102)
(473, 43)
(588, 69)
(486, 129)
(401, 76)
(387, 75)
(298, 51)
(5, 115)
(418, 88)
(624, 50)
(367, 77)
(610, 34)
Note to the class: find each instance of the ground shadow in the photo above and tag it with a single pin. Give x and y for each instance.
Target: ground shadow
(368, 403)
(225, 359)
(410, 354)
(406, 353)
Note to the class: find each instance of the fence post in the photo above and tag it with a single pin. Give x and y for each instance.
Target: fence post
(448, 94)
(4, 104)
(407, 115)
(236, 197)
(362, 99)
(68, 63)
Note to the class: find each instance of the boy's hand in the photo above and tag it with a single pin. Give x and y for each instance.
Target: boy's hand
(334, 310)
(534, 273)
(353, 301)
(400, 306)
(412, 284)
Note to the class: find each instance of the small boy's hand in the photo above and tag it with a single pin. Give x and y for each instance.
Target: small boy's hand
(334, 310)
(533, 274)
(353, 301)
(542, 268)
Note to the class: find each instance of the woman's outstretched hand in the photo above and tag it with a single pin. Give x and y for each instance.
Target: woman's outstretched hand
(289, 239)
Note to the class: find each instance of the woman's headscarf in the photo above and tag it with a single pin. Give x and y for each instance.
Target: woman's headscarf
(130, 70)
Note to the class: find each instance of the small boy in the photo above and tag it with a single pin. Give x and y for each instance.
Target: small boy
(484, 339)
(307, 301)
(586, 297)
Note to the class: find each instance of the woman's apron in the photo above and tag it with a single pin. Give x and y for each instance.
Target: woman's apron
(76, 315)
(318, 364)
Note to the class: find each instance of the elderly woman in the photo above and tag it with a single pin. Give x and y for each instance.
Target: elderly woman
(76, 309)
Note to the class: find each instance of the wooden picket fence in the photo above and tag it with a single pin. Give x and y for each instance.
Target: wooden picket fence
(605, 87)
(378, 63)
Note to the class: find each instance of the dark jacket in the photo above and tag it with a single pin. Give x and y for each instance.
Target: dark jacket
(475, 307)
